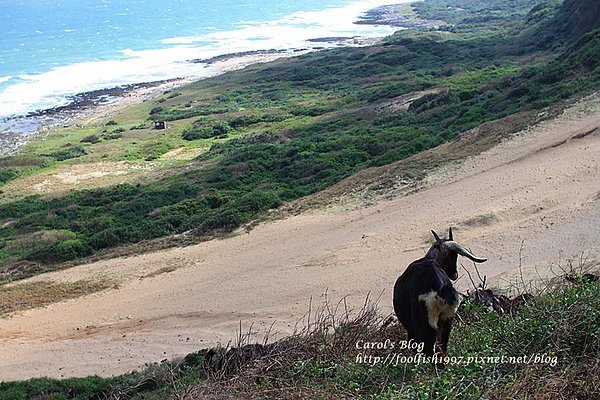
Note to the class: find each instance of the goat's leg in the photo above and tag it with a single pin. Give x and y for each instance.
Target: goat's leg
(403, 306)
(445, 328)
(424, 333)
(403, 313)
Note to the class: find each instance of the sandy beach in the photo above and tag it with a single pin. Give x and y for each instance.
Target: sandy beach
(529, 205)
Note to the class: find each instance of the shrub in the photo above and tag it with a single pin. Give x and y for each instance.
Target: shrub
(59, 251)
(76, 388)
(156, 110)
(218, 130)
(112, 136)
(244, 120)
(91, 139)
(139, 127)
(221, 128)
(68, 153)
(7, 175)
(195, 134)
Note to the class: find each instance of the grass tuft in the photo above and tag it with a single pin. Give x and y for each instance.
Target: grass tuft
(26, 296)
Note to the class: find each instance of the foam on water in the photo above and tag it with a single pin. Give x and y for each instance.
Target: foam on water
(31, 92)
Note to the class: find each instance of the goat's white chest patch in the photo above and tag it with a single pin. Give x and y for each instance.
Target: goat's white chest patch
(437, 308)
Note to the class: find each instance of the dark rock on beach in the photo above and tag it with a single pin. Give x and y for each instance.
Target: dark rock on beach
(94, 98)
(15, 132)
(334, 39)
(229, 56)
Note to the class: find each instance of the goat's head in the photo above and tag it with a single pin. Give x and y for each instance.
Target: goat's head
(445, 253)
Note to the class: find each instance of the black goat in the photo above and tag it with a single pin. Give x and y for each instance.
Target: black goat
(425, 300)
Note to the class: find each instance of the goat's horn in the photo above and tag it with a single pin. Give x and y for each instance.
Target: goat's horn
(453, 246)
(450, 234)
(435, 235)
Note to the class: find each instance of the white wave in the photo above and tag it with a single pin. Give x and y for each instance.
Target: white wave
(180, 40)
(51, 89)
(5, 78)
(297, 27)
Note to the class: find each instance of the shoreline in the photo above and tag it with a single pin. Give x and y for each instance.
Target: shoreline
(84, 107)
(16, 132)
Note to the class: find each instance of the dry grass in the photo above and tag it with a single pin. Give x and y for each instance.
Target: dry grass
(65, 178)
(285, 369)
(26, 296)
(18, 270)
(579, 380)
(163, 270)
(320, 361)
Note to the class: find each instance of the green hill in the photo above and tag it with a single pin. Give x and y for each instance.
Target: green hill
(573, 19)
(276, 132)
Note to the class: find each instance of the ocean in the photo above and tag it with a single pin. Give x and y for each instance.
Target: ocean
(53, 49)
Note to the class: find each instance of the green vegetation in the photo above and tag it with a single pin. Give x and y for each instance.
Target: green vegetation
(20, 165)
(570, 20)
(199, 131)
(550, 345)
(559, 327)
(68, 153)
(473, 15)
(156, 382)
(276, 132)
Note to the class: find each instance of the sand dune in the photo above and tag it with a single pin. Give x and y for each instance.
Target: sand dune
(539, 191)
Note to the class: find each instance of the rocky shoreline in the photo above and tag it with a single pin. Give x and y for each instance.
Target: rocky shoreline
(83, 101)
(229, 56)
(17, 131)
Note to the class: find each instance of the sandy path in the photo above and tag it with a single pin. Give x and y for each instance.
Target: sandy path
(524, 189)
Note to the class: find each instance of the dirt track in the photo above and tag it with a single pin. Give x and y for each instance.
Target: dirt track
(540, 190)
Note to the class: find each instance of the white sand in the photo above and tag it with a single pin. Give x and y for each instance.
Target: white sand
(523, 191)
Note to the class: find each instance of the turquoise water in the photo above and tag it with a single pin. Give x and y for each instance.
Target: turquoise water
(51, 49)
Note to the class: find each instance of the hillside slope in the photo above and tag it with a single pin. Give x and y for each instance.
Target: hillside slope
(278, 134)
(574, 19)
(536, 194)
(241, 144)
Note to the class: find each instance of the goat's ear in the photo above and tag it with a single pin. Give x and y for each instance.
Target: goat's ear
(450, 234)
(435, 235)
